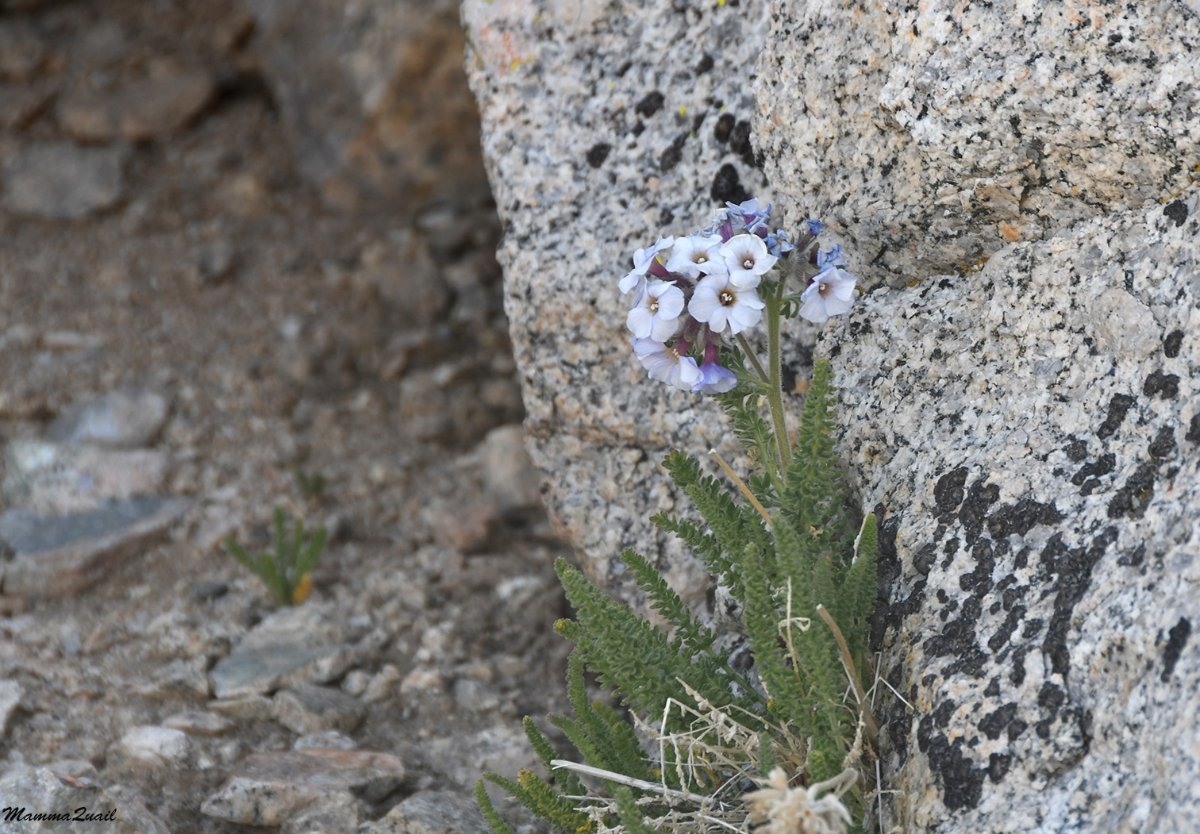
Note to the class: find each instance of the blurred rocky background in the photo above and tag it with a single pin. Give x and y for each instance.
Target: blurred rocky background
(247, 261)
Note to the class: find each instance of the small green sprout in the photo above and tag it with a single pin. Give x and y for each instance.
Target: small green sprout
(287, 571)
(311, 484)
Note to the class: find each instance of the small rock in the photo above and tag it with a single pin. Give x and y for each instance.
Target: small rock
(198, 723)
(475, 695)
(268, 788)
(311, 709)
(383, 685)
(248, 708)
(58, 556)
(61, 181)
(337, 811)
(157, 746)
(328, 740)
(508, 473)
(122, 419)
(422, 679)
(257, 671)
(431, 812)
(10, 699)
(298, 644)
(65, 786)
(51, 479)
(142, 110)
(216, 263)
(464, 758)
(183, 676)
(356, 682)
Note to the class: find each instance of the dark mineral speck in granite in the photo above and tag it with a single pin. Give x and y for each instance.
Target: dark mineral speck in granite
(1103, 465)
(1162, 385)
(1193, 432)
(672, 155)
(948, 491)
(739, 142)
(962, 781)
(727, 186)
(994, 723)
(972, 515)
(1134, 495)
(598, 153)
(724, 127)
(650, 104)
(1118, 407)
(1076, 450)
(1172, 344)
(1177, 638)
(1163, 444)
(1020, 518)
(1176, 211)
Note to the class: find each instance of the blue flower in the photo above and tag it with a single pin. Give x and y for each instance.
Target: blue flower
(715, 379)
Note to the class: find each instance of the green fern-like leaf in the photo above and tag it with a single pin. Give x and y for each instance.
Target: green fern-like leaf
(860, 589)
(691, 636)
(632, 656)
(814, 498)
(732, 524)
(539, 796)
(490, 815)
(705, 545)
(630, 813)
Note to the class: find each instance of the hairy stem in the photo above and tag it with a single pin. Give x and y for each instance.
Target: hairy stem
(775, 375)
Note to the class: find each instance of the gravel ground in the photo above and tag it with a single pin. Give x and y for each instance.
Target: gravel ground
(351, 368)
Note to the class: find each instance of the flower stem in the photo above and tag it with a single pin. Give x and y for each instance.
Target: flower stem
(775, 376)
(752, 358)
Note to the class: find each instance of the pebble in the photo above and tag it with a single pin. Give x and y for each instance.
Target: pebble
(297, 644)
(157, 746)
(327, 740)
(305, 708)
(58, 556)
(10, 700)
(246, 708)
(71, 784)
(508, 473)
(62, 181)
(125, 419)
(464, 757)
(51, 479)
(337, 811)
(268, 788)
(198, 723)
(258, 671)
(141, 111)
(431, 812)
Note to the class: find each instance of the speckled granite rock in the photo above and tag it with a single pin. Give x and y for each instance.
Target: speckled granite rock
(932, 134)
(599, 137)
(1029, 430)
(1038, 476)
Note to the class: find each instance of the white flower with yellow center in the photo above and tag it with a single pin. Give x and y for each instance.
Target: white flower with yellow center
(696, 255)
(656, 315)
(747, 260)
(666, 364)
(718, 303)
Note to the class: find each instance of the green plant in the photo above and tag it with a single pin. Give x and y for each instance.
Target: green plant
(702, 744)
(287, 569)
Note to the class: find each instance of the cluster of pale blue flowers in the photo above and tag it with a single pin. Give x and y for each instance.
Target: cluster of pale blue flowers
(692, 293)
